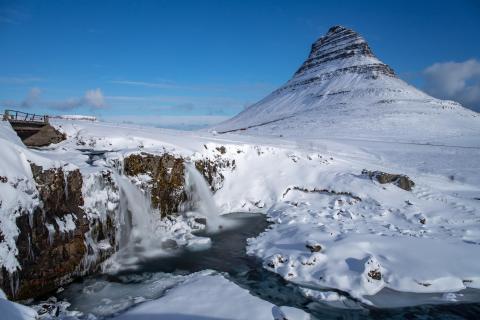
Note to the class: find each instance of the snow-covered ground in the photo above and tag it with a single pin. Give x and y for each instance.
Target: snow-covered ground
(334, 227)
(206, 295)
(15, 311)
(424, 240)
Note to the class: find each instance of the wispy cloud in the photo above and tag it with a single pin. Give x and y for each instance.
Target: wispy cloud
(158, 85)
(19, 80)
(31, 98)
(92, 98)
(459, 81)
(168, 84)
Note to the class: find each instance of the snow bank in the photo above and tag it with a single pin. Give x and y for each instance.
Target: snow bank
(14, 311)
(207, 295)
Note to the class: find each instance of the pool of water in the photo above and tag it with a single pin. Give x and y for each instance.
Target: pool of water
(107, 295)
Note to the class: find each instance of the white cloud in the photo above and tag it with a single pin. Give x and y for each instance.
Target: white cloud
(94, 98)
(19, 80)
(32, 98)
(459, 81)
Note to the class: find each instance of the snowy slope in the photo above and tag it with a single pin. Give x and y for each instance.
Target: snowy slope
(342, 89)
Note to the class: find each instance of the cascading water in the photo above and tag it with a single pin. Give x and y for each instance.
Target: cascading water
(141, 232)
(137, 227)
(201, 197)
(135, 214)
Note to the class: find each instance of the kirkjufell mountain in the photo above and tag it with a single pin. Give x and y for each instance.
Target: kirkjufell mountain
(343, 89)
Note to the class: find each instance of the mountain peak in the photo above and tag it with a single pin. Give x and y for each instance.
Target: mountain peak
(341, 83)
(343, 48)
(337, 28)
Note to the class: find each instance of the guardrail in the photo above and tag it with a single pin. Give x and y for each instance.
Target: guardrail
(20, 116)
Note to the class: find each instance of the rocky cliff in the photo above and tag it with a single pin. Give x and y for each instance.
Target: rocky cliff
(53, 241)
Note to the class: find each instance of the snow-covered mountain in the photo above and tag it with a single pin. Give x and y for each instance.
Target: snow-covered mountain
(343, 87)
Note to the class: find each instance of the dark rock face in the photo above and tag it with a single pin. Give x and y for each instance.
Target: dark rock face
(211, 168)
(167, 186)
(313, 247)
(338, 44)
(48, 260)
(401, 181)
(52, 246)
(375, 274)
(168, 181)
(211, 171)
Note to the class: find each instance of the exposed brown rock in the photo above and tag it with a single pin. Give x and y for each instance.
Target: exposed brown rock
(375, 274)
(221, 149)
(401, 181)
(314, 247)
(168, 182)
(48, 261)
(322, 191)
(45, 136)
(211, 171)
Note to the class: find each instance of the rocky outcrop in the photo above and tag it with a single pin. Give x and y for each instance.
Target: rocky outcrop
(167, 177)
(53, 240)
(45, 136)
(211, 170)
(341, 44)
(322, 191)
(400, 180)
(167, 182)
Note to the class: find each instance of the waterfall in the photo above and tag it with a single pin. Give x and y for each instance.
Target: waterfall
(201, 198)
(135, 214)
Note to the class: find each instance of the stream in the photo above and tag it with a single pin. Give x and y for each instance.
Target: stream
(105, 295)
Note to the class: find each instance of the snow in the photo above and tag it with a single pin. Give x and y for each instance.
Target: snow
(314, 191)
(208, 295)
(15, 311)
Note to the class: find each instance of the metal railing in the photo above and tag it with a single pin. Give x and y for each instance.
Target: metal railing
(19, 116)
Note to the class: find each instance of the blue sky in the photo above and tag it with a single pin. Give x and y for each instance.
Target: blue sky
(188, 63)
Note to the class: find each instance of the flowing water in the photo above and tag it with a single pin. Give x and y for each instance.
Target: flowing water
(108, 294)
(200, 195)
